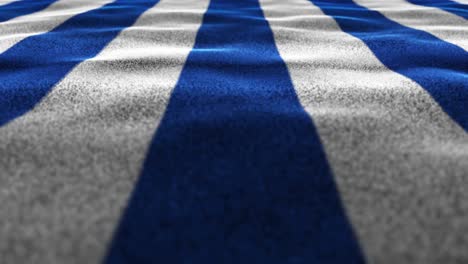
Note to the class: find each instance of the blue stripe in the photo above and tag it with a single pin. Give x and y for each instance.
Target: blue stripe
(438, 66)
(22, 7)
(32, 67)
(236, 172)
(446, 5)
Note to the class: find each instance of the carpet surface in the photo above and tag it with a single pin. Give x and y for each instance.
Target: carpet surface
(233, 131)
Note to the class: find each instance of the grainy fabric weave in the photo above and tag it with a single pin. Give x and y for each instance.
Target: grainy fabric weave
(233, 131)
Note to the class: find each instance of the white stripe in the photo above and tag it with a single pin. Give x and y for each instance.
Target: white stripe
(69, 165)
(398, 159)
(19, 28)
(461, 1)
(439, 23)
